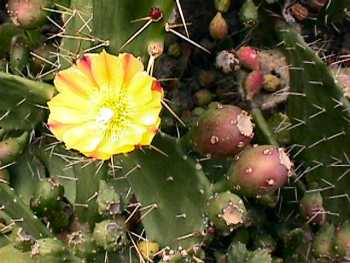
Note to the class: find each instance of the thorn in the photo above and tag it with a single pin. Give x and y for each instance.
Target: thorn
(182, 17)
(136, 34)
(158, 150)
(169, 29)
(173, 113)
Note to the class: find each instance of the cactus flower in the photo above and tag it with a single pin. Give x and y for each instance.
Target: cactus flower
(105, 105)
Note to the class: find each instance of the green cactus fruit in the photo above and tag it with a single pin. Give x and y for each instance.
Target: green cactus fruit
(253, 84)
(260, 170)
(218, 27)
(263, 240)
(222, 5)
(108, 200)
(342, 240)
(202, 97)
(81, 244)
(278, 124)
(206, 78)
(18, 54)
(11, 148)
(311, 208)
(238, 253)
(27, 13)
(48, 247)
(226, 211)
(248, 14)
(110, 234)
(248, 57)
(21, 240)
(222, 132)
(47, 196)
(323, 243)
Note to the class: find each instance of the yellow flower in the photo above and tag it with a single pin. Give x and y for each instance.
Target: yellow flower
(105, 105)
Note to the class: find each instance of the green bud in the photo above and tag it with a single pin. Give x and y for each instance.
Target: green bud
(248, 13)
(81, 244)
(323, 242)
(18, 54)
(311, 208)
(21, 240)
(108, 200)
(202, 97)
(12, 147)
(47, 196)
(342, 240)
(110, 234)
(222, 5)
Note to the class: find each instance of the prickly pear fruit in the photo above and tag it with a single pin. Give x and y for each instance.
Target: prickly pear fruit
(148, 249)
(108, 200)
(311, 207)
(47, 196)
(21, 240)
(323, 243)
(248, 14)
(48, 247)
(248, 57)
(218, 27)
(27, 13)
(262, 240)
(110, 234)
(222, 5)
(260, 170)
(227, 61)
(12, 147)
(81, 244)
(342, 240)
(223, 131)
(226, 211)
(253, 84)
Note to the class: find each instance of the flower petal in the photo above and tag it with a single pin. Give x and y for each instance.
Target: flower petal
(85, 137)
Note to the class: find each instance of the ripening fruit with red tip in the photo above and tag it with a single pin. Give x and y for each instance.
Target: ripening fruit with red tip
(253, 84)
(222, 131)
(218, 27)
(248, 57)
(259, 170)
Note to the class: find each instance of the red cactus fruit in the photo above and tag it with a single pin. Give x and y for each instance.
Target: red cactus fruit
(311, 206)
(260, 170)
(253, 84)
(222, 131)
(27, 13)
(248, 57)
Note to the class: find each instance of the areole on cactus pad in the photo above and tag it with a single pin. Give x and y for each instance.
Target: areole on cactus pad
(106, 105)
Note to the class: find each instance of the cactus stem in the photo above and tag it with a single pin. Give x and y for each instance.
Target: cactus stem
(263, 126)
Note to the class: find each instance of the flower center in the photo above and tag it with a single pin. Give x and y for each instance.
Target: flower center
(105, 115)
(113, 114)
